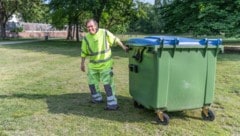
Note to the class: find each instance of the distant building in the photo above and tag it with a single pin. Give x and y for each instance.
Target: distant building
(15, 22)
(14, 18)
(17, 28)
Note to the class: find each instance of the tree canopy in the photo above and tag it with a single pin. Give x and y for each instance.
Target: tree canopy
(26, 8)
(201, 17)
(166, 16)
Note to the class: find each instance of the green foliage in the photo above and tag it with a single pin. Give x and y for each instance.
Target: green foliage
(117, 15)
(143, 19)
(218, 17)
(17, 29)
(59, 19)
(201, 17)
(67, 12)
(7, 9)
(34, 11)
(28, 10)
(113, 15)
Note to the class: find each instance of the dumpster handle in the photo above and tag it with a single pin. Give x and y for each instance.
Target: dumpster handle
(206, 47)
(217, 46)
(139, 55)
(161, 40)
(133, 68)
(176, 42)
(129, 48)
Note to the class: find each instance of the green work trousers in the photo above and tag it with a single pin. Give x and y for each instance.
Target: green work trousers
(104, 76)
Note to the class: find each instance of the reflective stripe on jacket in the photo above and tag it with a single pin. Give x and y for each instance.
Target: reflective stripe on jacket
(97, 47)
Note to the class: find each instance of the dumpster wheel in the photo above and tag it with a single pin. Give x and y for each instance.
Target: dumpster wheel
(207, 114)
(163, 118)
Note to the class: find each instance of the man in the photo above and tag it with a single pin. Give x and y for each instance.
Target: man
(96, 45)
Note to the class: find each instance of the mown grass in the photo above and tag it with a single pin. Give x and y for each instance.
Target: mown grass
(43, 92)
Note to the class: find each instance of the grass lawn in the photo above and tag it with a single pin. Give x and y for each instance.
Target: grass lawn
(43, 93)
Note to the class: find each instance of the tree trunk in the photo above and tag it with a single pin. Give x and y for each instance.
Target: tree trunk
(3, 30)
(6, 14)
(69, 35)
(73, 32)
(77, 32)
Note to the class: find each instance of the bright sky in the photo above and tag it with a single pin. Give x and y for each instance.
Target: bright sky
(149, 1)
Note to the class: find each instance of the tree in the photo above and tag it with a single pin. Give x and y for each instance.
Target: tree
(117, 15)
(70, 13)
(201, 17)
(9, 7)
(36, 11)
(75, 12)
(97, 7)
(143, 20)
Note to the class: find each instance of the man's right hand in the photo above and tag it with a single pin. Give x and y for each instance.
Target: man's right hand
(83, 64)
(82, 67)
(126, 48)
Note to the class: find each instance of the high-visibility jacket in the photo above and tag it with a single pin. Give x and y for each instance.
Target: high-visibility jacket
(97, 48)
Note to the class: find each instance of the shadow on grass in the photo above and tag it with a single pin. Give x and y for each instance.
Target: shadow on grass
(79, 104)
(63, 47)
(229, 57)
(182, 115)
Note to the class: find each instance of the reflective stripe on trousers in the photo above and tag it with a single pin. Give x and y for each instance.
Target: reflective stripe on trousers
(106, 77)
(96, 96)
(111, 99)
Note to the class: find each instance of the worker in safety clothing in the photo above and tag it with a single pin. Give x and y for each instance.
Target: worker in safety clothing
(96, 45)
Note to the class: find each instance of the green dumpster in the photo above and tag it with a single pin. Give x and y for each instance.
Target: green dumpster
(168, 73)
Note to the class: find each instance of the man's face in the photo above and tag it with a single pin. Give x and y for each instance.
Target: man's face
(91, 27)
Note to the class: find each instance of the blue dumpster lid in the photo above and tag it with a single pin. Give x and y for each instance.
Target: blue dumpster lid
(172, 40)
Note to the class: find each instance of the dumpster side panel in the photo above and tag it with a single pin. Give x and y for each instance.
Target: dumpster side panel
(143, 82)
(210, 80)
(164, 64)
(187, 74)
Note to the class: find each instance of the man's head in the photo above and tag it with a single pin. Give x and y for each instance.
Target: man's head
(92, 26)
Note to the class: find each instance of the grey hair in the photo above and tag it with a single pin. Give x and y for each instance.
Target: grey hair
(92, 20)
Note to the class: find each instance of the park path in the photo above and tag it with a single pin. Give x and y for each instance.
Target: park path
(232, 49)
(17, 42)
